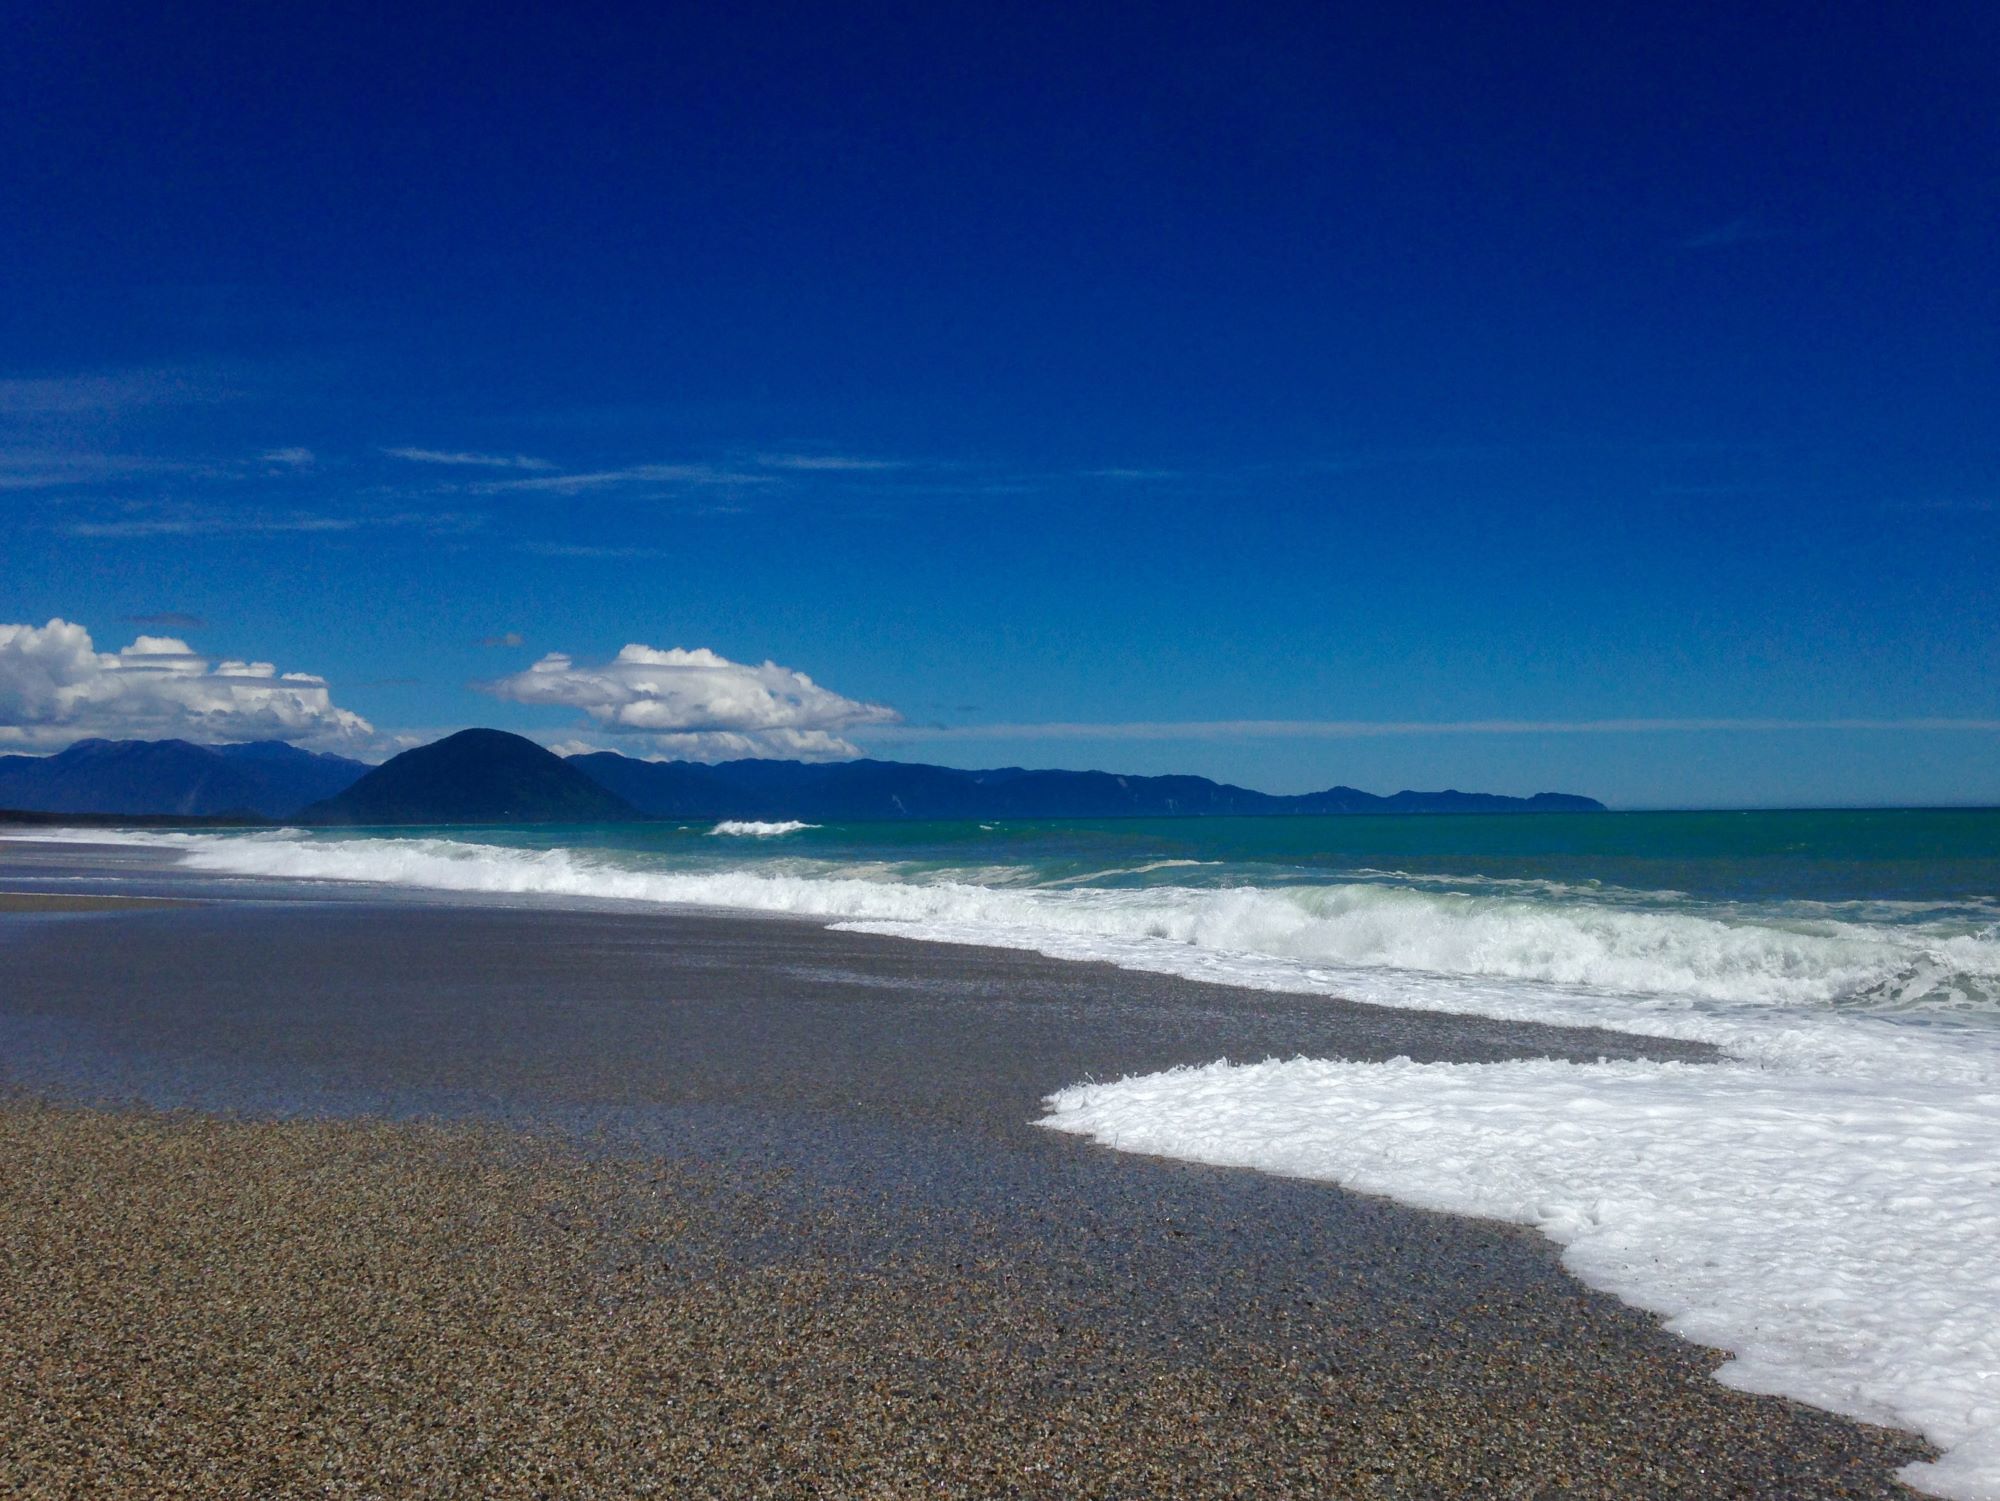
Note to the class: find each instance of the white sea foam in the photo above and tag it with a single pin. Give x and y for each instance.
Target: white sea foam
(1837, 1234)
(755, 829)
(1115, 872)
(1823, 1205)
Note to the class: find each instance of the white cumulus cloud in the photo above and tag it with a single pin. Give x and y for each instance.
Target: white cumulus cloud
(700, 706)
(56, 687)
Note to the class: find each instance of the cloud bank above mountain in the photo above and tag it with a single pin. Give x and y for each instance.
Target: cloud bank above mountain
(57, 688)
(698, 705)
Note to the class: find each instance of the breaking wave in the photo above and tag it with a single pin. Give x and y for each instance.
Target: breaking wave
(1283, 936)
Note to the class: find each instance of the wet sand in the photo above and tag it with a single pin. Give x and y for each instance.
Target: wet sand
(57, 901)
(519, 1202)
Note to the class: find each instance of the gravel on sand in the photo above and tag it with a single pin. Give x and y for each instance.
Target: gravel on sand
(195, 1307)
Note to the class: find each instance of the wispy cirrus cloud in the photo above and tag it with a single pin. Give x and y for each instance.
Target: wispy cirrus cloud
(831, 463)
(55, 469)
(631, 474)
(205, 525)
(109, 393)
(591, 550)
(140, 519)
(457, 458)
(764, 469)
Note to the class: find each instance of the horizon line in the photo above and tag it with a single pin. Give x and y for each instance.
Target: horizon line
(1207, 729)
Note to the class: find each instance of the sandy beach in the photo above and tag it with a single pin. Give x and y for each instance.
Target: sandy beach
(328, 1194)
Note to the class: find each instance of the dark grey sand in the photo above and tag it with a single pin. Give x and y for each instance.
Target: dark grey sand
(59, 901)
(540, 1202)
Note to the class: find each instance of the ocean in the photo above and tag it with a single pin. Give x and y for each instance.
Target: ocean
(1894, 914)
(1823, 1204)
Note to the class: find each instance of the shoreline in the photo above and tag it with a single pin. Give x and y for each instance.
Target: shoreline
(844, 1123)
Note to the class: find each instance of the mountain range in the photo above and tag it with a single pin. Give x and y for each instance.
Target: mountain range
(492, 776)
(265, 779)
(844, 791)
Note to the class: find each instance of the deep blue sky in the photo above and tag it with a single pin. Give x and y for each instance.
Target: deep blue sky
(1138, 365)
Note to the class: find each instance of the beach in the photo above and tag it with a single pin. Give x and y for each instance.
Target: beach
(333, 1191)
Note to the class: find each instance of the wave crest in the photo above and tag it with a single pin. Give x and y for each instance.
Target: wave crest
(1685, 957)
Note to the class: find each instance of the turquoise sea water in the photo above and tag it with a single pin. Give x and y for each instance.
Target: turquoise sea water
(1896, 911)
(1944, 857)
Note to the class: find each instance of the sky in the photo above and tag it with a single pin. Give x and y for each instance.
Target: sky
(1594, 398)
